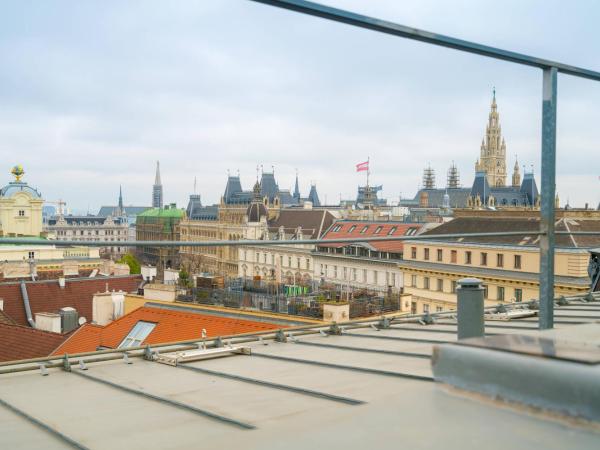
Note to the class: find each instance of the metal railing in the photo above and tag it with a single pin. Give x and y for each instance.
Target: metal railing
(281, 334)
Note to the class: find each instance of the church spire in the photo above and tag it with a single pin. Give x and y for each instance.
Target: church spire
(121, 209)
(157, 189)
(157, 176)
(297, 189)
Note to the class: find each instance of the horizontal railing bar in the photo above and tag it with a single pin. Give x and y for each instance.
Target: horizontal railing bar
(395, 29)
(262, 242)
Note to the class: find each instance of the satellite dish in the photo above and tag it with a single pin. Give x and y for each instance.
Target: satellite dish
(82, 320)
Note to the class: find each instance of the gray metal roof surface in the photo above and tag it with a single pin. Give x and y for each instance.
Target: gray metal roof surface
(362, 389)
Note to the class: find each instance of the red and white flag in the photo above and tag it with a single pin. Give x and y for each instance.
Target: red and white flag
(362, 167)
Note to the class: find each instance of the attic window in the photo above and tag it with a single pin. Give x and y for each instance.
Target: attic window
(410, 231)
(138, 333)
(337, 228)
(392, 231)
(364, 230)
(378, 230)
(352, 228)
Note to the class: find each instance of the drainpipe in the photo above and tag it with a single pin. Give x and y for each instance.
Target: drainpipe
(26, 304)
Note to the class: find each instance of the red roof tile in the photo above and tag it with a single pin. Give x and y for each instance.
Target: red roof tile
(48, 296)
(357, 229)
(20, 342)
(171, 326)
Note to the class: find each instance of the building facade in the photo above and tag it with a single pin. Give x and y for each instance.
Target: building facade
(371, 266)
(228, 221)
(159, 224)
(20, 207)
(114, 231)
(507, 265)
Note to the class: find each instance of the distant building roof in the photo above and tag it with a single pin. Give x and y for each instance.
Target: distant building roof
(22, 342)
(83, 220)
(372, 229)
(129, 210)
(169, 326)
(48, 296)
(498, 224)
(163, 212)
(314, 222)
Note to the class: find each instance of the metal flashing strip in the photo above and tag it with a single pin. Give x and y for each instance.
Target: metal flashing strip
(38, 423)
(388, 373)
(176, 404)
(398, 338)
(284, 387)
(366, 350)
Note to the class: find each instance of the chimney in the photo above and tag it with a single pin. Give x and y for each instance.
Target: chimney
(48, 322)
(61, 282)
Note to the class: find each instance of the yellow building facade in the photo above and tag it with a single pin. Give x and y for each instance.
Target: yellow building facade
(20, 208)
(508, 270)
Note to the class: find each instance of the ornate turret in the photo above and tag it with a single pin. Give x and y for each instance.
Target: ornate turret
(493, 149)
(257, 209)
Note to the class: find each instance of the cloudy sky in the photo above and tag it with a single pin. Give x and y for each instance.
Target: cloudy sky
(93, 93)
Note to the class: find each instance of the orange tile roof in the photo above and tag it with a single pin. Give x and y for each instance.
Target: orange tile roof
(170, 326)
(385, 229)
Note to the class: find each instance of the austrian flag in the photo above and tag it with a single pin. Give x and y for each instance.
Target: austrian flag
(362, 167)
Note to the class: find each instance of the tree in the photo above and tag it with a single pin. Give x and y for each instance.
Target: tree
(184, 278)
(132, 262)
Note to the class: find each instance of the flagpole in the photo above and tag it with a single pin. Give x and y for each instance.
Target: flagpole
(368, 170)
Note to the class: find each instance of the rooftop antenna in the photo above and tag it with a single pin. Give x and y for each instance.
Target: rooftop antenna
(273, 169)
(194, 185)
(257, 173)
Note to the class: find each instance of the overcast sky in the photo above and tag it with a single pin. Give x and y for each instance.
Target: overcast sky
(93, 93)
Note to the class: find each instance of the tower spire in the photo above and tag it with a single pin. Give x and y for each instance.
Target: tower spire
(157, 190)
(121, 210)
(493, 149)
(297, 189)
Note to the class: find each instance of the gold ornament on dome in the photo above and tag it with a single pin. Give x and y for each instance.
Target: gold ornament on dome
(18, 172)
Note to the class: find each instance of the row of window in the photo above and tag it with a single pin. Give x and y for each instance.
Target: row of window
(283, 261)
(89, 232)
(439, 285)
(467, 257)
(358, 275)
(411, 231)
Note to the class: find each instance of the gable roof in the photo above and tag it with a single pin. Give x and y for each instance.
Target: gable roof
(313, 221)
(171, 326)
(365, 228)
(48, 296)
(20, 342)
(495, 224)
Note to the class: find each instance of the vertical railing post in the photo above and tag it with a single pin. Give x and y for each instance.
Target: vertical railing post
(470, 308)
(548, 194)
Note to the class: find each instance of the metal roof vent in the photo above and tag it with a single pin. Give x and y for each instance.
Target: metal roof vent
(69, 319)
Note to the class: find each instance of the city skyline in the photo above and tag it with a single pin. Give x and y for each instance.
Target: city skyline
(153, 84)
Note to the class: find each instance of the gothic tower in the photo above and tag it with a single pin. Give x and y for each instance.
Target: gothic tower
(121, 210)
(157, 189)
(516, 178)
(492, 160)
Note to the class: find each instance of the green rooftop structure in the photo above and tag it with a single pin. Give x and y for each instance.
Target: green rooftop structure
(159, 224)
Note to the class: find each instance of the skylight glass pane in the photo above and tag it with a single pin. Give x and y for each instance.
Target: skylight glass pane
(138, 333)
